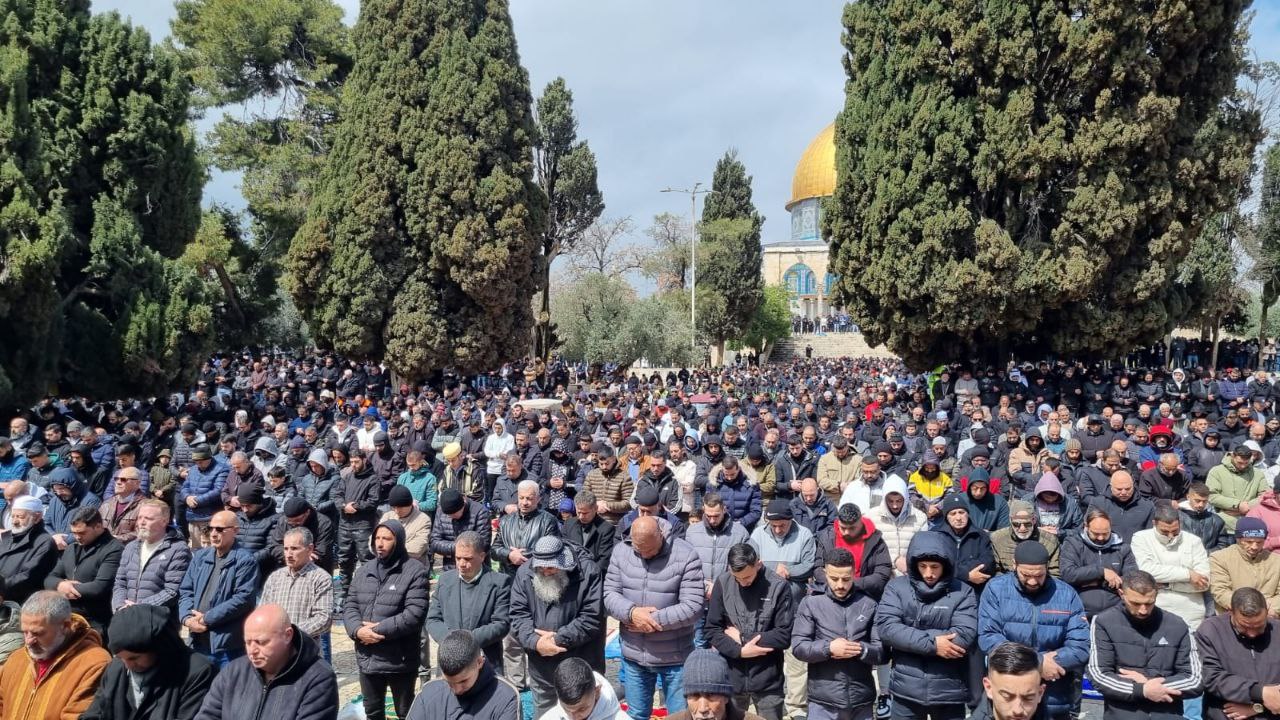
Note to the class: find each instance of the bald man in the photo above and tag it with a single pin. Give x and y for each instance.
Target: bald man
(282, 677)
(218, 591)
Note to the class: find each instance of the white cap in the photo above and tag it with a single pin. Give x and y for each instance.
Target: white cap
(29, 503)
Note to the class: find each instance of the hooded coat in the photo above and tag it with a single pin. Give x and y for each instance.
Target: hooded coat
(391, 592)
(67, 687)
(898, 530)
(176, 687)
(577, 620)
(58, 517)
(991, 512)
(872, 570)
(910, 617)
(1069, 515)
(1229, 487)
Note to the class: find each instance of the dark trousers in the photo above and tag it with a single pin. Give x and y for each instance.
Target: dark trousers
(769, 707)
(353, 551)
(374, 689)
(907, 710)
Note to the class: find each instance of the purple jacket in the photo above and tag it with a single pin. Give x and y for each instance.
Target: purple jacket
(670, 581)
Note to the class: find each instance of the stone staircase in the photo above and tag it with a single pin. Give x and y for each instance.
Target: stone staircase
(830, 345)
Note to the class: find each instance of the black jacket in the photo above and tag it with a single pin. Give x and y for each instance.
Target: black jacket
(876, 567)
(445, 530)
(391, 592)
(363, 490)
(483, 607)
(94, 567)
(181, 679)
(255, 535)
(822, 618)
(1082, 562)
(764, 608)
(1129, 517)
(598, 537)
(1161, 647)
(973, 549)
(1235, 669)
(521, 531)
(25, 561)
(1206, 525)
(306, 690)
(322, 531)
(578, 619)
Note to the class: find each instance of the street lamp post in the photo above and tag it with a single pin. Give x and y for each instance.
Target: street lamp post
(693, 193)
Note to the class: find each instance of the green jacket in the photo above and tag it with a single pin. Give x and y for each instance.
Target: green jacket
(1228, 488)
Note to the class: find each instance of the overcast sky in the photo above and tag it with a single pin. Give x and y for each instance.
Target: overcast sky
(662, 88)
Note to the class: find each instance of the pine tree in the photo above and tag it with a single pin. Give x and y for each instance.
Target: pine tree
(730, 287)
(422, 244)
(99, 192)
(1027, 175)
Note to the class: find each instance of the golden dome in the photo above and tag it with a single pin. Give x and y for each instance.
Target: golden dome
(816, 172)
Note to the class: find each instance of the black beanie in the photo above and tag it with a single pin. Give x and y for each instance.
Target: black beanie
(450, 501)
(399, 496)
(138, 628)
(1030, 552)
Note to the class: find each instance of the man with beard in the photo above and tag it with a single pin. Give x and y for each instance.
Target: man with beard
(1094, 560)
(473, 597)
(1138, 674)
(518, 534)
(27, 551)
(1168, 480)
(356, 495)
(86, 569)
(610, 483)
(928, 619)
(556, 613)
(856, 533)
(793, 466)
(1128, 512)
(1013, 686)
(812, 508)
(1028, 606)
(834, 633)
(749, 618)
(661, 480)
(1246, 564)
(56, 672)
(1241, 660)
(837, 469)
(975, 559)
(589, 530)
(897, 522)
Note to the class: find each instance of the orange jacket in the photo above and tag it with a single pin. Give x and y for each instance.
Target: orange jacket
(66, 690)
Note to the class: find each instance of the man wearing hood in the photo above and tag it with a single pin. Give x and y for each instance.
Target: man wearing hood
(1094, 560)
(69, 493)
(1139, 675)
(556, 614)
(975, 558)
(27, 551)
(1029, 606)
(218, 591)
(282, 677)
(387, 464)
(897, 521)
(95, 476)
(384, 613)
(86, 570)
(583, 694)
(929, 486)
(1027, 457)
(928, 619)
(317, 485)
(987, 507)
(154, 675)
(1056, 512)
(56, 672)
(266, 455)
(470, 687)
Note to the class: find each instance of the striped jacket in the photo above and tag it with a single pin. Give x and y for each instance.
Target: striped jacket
(1162, 648)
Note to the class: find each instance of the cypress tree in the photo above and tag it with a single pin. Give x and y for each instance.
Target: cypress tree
(1028, 174)
(730, 287)
(422, 244)
(99, 193)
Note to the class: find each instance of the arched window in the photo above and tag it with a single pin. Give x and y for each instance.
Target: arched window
(829, 284)
(800, 280)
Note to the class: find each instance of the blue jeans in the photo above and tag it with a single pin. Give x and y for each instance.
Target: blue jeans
(325, 650)
(639, 682)
(219, 659)
(1193, 708)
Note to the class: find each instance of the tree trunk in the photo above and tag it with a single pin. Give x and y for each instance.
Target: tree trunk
(1168, 349)
(542, 326)
(1266, 300)
(1213, 357)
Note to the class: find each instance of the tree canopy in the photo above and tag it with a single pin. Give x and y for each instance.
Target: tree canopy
(422, 243)
(730, 256)
(1029, 175)
(99, 195)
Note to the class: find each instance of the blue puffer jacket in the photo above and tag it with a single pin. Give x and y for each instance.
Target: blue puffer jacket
(318, 490)
(1050, 620)
(742, 500)
(157, 583)
(14, 467)
(911, 615)
(232, 600)
(206, 487)
(670, 581)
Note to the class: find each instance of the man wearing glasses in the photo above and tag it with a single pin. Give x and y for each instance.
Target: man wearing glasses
(217, 592)
(1022, 528)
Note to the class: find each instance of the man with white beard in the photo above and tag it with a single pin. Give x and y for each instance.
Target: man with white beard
(557, 613)
(27, 551)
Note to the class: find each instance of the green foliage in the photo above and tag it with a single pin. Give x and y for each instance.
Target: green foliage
(600, 320)
(729, 255)
(566, 174)
(1266, 263)
(1027, 174)
(772, 320)
(99, 192)
(1211, 272)
(222, 254)
(285, 62)
(422, 243)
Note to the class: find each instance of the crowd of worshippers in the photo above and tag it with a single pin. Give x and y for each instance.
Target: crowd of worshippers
(835, 539)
